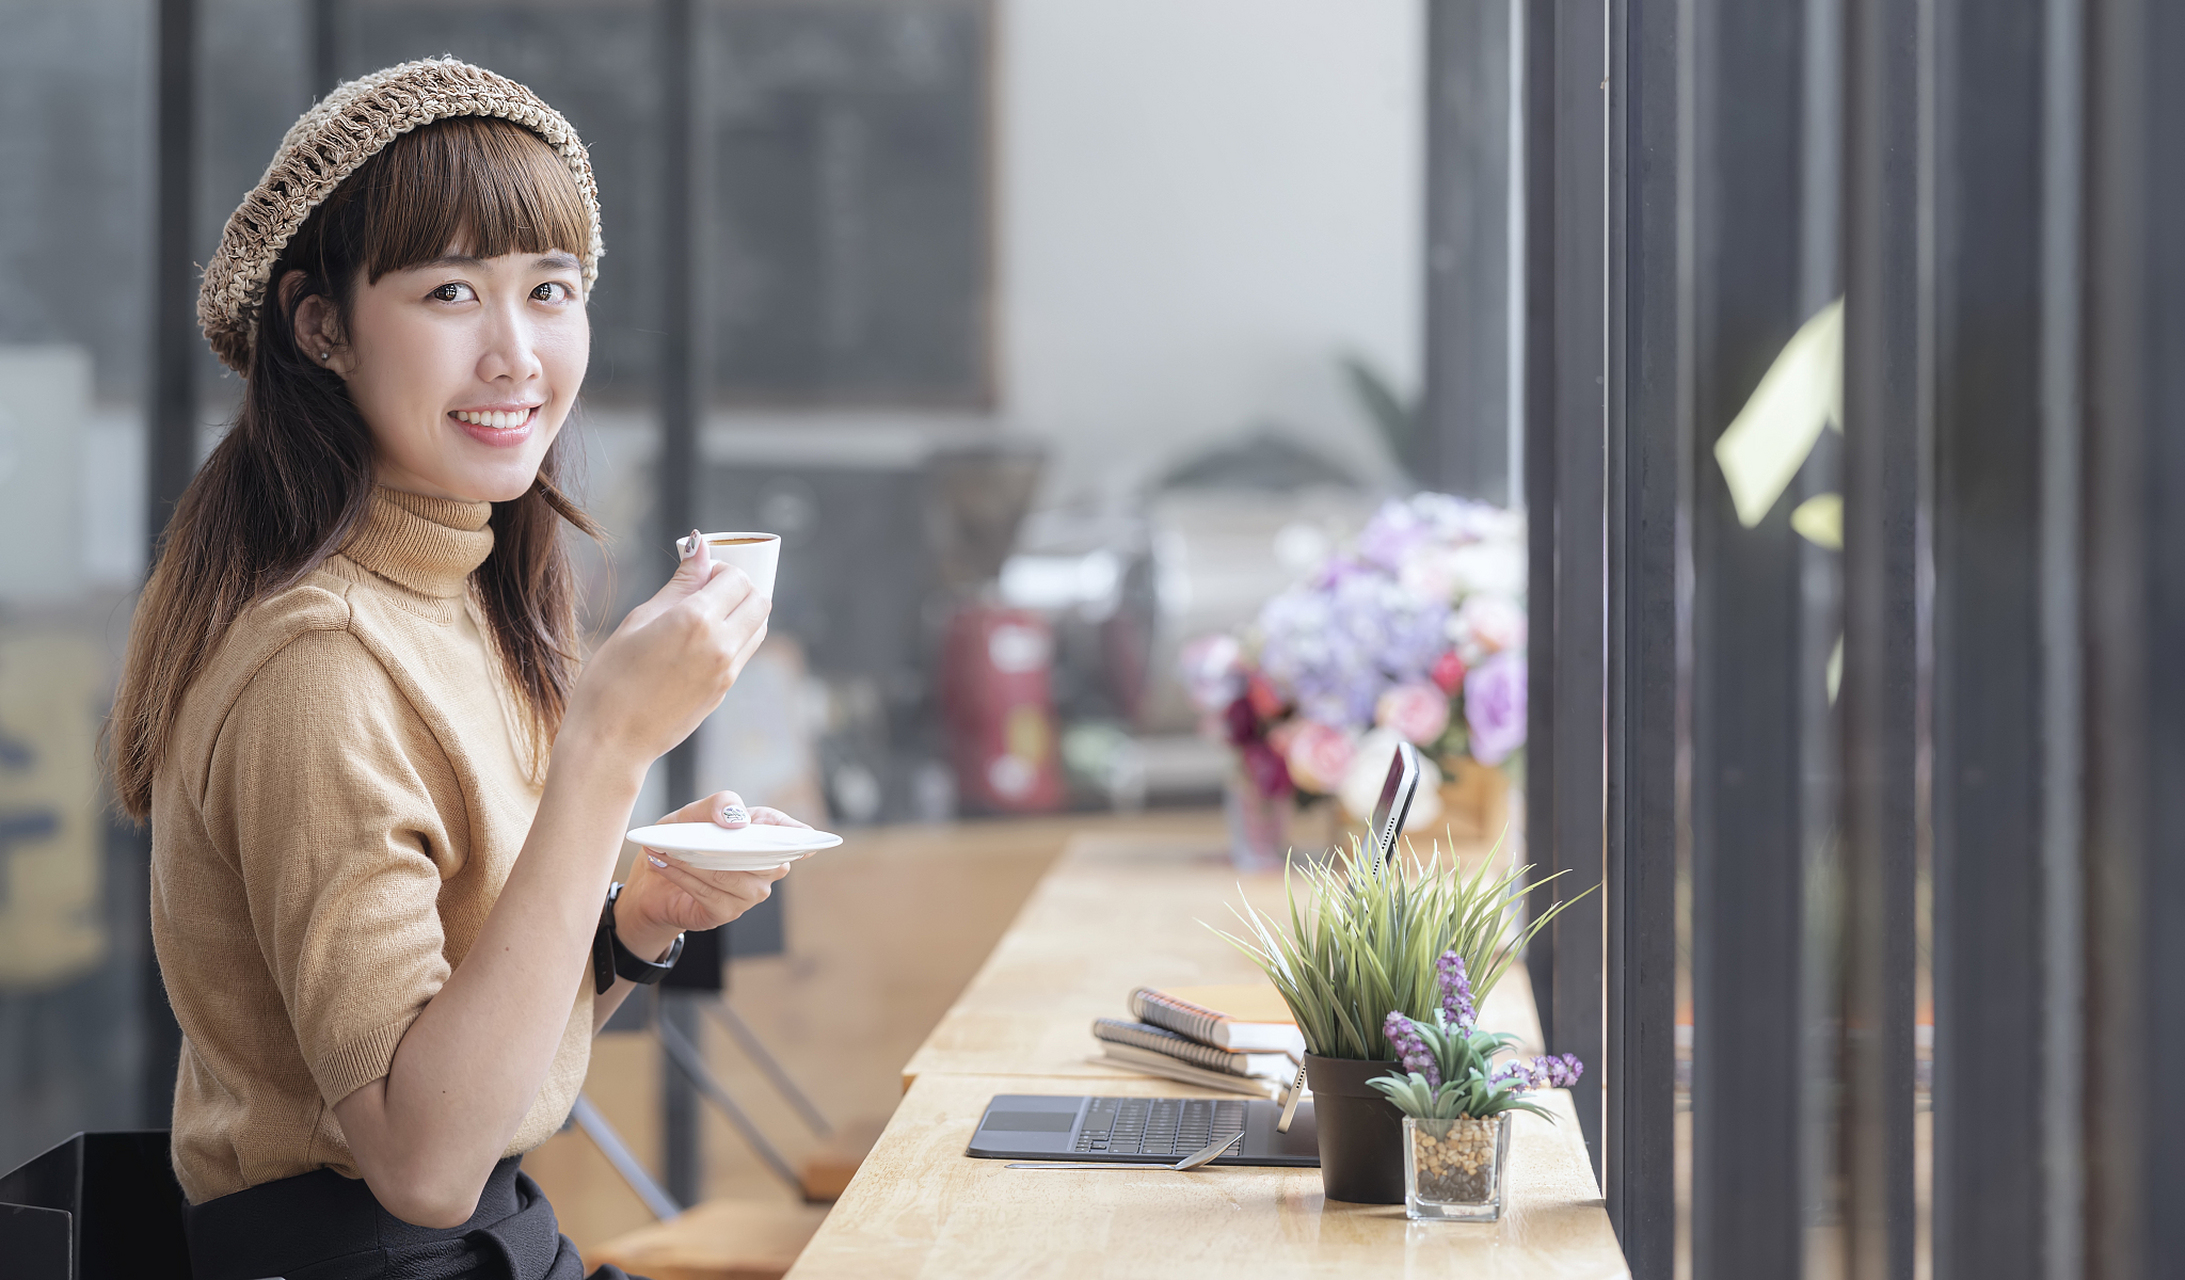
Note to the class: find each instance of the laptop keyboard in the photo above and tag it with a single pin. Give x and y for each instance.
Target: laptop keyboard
(1172, 1127)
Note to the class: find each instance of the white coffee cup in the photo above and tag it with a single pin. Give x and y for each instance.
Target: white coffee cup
(757, 554)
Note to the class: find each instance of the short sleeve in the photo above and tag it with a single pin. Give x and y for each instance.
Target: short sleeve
(330, 791)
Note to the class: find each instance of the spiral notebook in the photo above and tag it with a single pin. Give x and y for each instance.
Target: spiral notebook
(1248, 1017)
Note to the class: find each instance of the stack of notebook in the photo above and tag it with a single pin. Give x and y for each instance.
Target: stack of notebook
(1238, 1038)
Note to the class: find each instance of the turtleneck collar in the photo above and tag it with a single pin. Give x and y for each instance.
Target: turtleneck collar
(429, 545)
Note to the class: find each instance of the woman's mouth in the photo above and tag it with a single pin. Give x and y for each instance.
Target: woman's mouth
(503, 427)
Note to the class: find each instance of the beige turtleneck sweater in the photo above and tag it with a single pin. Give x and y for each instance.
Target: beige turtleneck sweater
(346, 790)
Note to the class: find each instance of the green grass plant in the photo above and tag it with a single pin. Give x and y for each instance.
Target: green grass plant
(1368, 942)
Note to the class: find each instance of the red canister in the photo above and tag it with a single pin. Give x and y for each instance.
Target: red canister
(998, 701)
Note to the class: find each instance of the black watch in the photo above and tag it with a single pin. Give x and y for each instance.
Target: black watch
(611, 960)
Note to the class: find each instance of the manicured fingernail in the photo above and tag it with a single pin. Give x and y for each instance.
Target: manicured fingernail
(686, 547)
(657, 861)
(734, 813)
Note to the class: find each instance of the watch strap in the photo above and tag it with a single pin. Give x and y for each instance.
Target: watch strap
(611, 959)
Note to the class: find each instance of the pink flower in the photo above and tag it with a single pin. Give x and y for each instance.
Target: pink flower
(1319, 756)
(1494, 707)
(1266, 702)
(1448, 672)
(1418, 712)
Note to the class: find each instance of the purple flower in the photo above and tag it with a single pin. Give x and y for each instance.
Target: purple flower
(1410, 1047)
(1402, 527)
(1540, 1073)
(1456, 992)
(1339, 642)
(1394, 532)
(1494, 706)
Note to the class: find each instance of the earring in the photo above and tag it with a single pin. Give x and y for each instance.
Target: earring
(326, 355)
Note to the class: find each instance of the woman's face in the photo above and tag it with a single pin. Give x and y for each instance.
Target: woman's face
(464, 368)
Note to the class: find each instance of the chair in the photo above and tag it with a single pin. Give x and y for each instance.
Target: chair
(100, 1206)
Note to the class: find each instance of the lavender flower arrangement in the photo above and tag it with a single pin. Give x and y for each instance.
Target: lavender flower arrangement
(1416, 633)
(1447, 1068)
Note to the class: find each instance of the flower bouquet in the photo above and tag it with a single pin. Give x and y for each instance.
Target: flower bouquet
(1414, 633)
(1457, 1104)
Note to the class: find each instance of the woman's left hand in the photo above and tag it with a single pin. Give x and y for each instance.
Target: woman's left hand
(664, 897)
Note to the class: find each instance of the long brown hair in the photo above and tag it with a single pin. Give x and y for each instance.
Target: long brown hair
(288, 483)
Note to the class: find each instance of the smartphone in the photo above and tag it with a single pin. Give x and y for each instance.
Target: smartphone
(1397, 791)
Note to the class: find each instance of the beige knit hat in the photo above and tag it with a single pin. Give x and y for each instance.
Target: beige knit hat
(329, 142)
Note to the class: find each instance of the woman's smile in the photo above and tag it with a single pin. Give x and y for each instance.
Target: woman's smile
(501, 426)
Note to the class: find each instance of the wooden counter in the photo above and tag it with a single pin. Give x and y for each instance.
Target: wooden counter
(1117, 911)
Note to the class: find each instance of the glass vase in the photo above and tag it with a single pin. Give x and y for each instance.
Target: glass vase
(1264, 830)
(1456, 1170)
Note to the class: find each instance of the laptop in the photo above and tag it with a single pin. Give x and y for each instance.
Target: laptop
(1019, 1126)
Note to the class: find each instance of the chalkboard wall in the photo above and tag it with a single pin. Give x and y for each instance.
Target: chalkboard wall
(846, 193)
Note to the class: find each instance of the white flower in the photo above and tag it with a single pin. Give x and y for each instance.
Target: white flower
(1486, 624)
(1496, 567)
(1361, 789)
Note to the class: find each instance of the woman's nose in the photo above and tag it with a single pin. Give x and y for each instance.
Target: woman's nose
(508, 351)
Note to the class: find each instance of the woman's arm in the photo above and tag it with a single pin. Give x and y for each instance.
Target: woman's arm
(665, 897)
(427, 1135)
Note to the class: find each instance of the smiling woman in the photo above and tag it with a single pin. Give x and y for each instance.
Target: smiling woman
(441, 276)
(386, 802)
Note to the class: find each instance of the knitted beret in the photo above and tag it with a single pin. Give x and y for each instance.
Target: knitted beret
(328, 143)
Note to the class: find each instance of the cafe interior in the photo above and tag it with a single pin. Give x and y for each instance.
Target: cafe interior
(1628, 531)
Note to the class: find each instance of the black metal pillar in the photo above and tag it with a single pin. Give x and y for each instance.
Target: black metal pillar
(324, 30)
(1581, 426)
(1463, 432)
(175, 341)
(1565, 462)
(1990, 766)
(1542, 500)
(1749, 1146)
(676, 486)
(1884, 466)
(171, 415)
(1649, 440)
(2135, 627)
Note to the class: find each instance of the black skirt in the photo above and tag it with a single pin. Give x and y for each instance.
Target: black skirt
(322, 1226)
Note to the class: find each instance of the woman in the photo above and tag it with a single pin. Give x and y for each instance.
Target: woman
(385, 803)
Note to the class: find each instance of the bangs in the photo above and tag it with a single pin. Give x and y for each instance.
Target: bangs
(474, 184)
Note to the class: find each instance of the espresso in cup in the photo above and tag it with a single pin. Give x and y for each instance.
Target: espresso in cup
(757, 554)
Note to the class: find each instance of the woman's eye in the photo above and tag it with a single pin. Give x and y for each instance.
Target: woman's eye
(453, 291)
(552, 291)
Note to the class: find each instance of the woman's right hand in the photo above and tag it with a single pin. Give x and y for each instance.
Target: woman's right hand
(671, 661)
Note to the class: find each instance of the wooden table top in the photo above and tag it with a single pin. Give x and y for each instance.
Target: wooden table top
(920, 1207)
(1115, 912)
(1118, 912)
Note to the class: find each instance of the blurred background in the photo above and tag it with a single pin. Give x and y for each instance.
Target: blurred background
(1049, 334)
(1795, 371)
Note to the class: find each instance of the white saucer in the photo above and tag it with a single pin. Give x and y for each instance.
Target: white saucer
(712, 847)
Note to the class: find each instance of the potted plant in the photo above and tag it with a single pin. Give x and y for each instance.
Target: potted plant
(1414, 631)
(1369, 947)
(1457, 1103)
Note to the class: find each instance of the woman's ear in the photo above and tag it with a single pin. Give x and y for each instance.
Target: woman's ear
(316, 326)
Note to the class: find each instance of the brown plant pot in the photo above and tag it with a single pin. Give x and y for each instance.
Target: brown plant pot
(1361, 1131)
